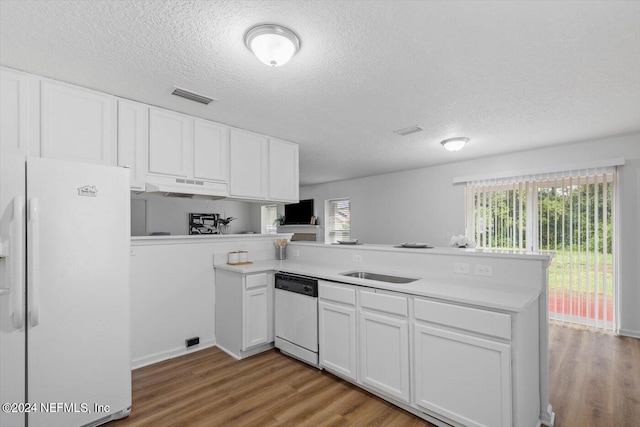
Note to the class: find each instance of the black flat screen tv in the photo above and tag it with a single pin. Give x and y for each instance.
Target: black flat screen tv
(298, 213)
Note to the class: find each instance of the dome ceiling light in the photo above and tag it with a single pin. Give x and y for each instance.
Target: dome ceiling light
(272, 44)
(454, 144)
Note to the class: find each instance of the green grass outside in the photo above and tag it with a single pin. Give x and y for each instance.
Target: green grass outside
(576, 273)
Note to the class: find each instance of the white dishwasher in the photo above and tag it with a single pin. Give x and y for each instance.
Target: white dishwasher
(296, 316)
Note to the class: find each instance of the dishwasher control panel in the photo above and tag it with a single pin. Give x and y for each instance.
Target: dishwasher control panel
(298, 284)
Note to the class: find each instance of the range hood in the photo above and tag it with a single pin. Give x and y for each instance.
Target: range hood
(186, 187)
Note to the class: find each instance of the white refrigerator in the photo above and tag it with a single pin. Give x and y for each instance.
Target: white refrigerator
(64, 293)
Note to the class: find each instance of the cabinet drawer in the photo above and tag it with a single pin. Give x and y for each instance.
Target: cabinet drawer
(256, 280)
(334, 292)
(470, 319)
(393, 304)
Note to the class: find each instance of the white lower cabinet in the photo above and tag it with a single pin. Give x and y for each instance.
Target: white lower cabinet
(255, 316)
(384, 343)
(337, 340)
(462, 363)
(244, 312)
(337, 328)
(465, 366)
(465, 378)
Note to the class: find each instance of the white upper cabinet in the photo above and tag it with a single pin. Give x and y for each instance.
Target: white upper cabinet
(78, 124)
(18, 112)
(248, 165)
(133, 137)
(42, 117)
(283, 171)
(210, 151)
(170, 143)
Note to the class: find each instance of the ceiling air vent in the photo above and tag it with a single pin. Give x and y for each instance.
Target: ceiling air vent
(192, 96)
(408, 131)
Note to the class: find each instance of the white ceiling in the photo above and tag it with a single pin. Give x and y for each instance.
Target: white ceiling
(509, 75)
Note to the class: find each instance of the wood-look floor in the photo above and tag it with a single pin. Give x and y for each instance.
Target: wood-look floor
(594, 378)
(594, 381)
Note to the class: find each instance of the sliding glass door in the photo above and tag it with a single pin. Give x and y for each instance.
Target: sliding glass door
(572, 216)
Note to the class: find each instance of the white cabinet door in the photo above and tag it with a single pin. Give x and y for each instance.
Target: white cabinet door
(170, 143)
(19, 121)
(78, 124)
(255, 325)
(283, 171)
(133, 138)
(463, 377)
(337, 338)
(384, 354)
(248, 165)
(210, 151)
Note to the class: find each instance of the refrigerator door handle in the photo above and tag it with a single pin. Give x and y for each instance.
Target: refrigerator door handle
(33, 261)
(16, 257)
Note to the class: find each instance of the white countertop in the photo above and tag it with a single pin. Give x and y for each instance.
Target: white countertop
(488, 295)
(493, 253)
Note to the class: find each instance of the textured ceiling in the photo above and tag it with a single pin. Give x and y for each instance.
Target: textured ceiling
(509, 75)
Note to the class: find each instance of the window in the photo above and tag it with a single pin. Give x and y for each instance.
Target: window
(571, 214)
(268, 215)
(338, 220)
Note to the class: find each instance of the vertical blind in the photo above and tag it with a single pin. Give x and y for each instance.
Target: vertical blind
(570, 213)
(338, 214)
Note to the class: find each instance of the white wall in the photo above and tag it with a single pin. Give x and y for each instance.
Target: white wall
(172, 213)
(173, 291)
(424, 205)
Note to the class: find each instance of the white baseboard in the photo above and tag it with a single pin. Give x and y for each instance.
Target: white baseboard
(247, 353)
(629, 333)
(169, 354)
(229, 352)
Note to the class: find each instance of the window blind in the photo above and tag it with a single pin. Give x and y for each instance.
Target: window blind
(338, 214)
(571, 213)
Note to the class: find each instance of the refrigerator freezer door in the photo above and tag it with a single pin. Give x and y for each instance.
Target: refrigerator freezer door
(78, 292)
(12, 287)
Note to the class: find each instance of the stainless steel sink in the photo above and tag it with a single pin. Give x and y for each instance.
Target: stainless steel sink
(378, 277)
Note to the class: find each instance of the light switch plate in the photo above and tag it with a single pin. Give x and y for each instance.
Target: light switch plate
(357, 258)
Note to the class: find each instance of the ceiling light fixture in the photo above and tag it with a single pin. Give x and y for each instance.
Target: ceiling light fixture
(272, 44)
(454, 144)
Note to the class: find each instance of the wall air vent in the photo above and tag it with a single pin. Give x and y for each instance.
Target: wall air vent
(408, 131)
(192, 96)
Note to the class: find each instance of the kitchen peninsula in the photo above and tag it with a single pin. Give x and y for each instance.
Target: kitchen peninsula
(473, 324)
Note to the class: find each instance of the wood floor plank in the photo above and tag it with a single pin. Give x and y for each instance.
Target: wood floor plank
(594, 378)
(594, 381)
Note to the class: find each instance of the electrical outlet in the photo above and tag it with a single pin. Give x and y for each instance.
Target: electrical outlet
(461, 268)
(357, 258)
(484, 270)
(295, 252)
